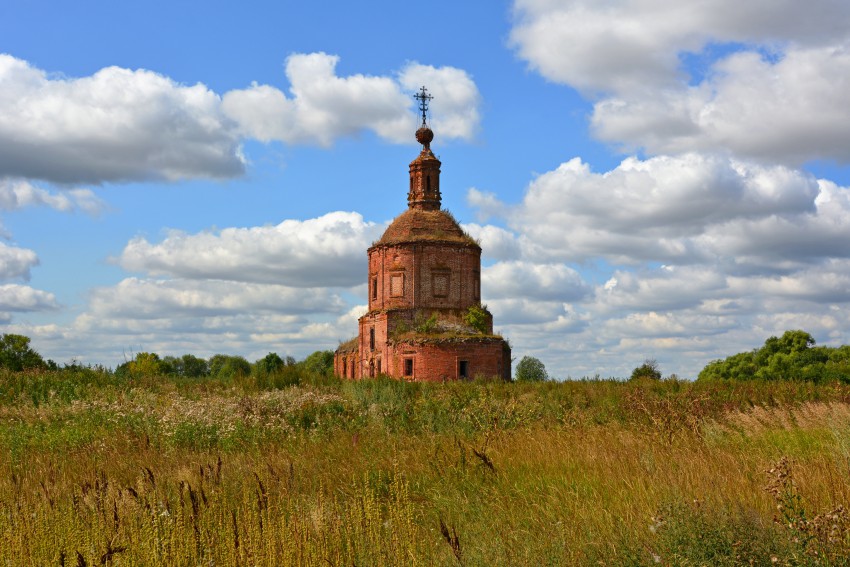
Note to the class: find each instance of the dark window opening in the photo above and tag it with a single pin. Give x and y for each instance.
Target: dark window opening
(379, 366)
(372, 338)
(371, 369)
(463, 369)
(408, 367)
(375, 288)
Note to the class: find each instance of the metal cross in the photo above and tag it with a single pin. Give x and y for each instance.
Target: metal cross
(423, 97)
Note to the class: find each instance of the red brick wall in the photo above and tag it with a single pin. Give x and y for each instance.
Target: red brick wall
(433, 362)
(422, 265)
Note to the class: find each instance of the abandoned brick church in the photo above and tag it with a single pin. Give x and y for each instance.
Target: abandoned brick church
(425, 320)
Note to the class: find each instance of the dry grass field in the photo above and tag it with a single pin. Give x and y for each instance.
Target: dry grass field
(101, 470)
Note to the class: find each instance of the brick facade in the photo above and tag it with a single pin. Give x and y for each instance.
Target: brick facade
(424, 276)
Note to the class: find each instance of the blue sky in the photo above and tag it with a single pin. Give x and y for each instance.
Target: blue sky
(646, 181)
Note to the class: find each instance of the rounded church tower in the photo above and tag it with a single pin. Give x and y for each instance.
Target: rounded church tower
(425, 319)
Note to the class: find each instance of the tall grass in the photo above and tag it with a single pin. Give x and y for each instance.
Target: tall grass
(98, 470)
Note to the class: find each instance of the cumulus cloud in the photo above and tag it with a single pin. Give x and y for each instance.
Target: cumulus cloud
(324, 106)
(21, 298)
(16, 262)
(17, 193)
(121, 125)
(667, 288)
(115, 125)
(766, 80)
(485, 203)
(496, 242)
(166, 299)
(325, 251)
(626, 44)
(202, 317)
(685, 209)
(791, 110)
(557, 282)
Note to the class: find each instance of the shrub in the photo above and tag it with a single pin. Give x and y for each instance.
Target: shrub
(649, 369)
(478, 317)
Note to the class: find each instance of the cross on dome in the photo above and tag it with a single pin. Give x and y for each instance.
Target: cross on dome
(423, 97)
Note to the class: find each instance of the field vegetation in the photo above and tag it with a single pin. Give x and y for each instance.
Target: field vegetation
(284, 465)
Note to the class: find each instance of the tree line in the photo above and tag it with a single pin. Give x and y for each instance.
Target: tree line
(793, 356)
(16, 354)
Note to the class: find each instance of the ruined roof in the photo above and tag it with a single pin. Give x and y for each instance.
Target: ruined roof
(417, 225)
(351, 345)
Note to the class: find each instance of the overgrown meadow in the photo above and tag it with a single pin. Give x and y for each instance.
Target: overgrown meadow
(299, 469)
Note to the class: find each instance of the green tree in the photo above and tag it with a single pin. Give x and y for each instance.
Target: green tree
(269, 364)
(226, 366)
(16, 354)
(147, 364)
(186, 366)
(143, 364)
(649, 369)
(530, 369)
(320, 362)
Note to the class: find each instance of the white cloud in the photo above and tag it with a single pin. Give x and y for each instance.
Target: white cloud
(767, 79)
(325, 106)
(485, 203)
(121, 125)
(634, 44)
(16, 262)
(172, 299)
(20, 298)
(496, 243)
(325, 251)
(115, 125)
(663, 289)
(17, 193)
(554, 282)
(173, 317)
(681, 210)
(791, 110)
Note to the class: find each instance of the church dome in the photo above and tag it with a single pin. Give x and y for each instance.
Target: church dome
(418, 225)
